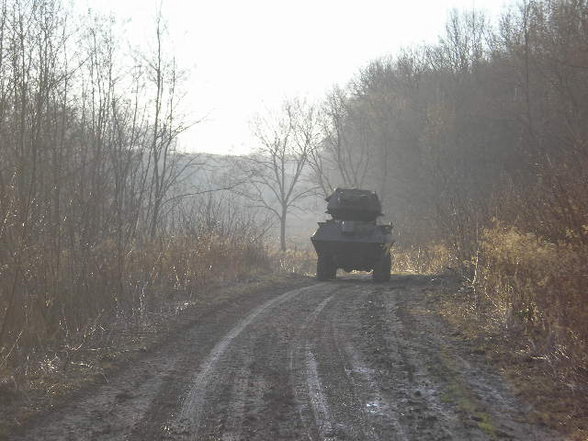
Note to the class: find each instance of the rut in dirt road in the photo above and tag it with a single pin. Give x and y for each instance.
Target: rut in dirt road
(347, 360)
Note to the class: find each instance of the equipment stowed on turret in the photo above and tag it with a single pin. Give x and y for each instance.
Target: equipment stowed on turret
(352, 240)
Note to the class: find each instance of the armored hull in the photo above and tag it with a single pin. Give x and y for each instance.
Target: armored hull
(356, 248)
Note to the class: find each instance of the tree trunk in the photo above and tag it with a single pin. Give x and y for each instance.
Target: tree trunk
(283, 229)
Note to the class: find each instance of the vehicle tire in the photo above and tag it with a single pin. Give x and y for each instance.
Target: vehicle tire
(382, 269)
(325, 267)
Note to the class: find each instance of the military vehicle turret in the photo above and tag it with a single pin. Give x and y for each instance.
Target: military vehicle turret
(352, 239)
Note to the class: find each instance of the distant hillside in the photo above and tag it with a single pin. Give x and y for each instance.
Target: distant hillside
(205, 173)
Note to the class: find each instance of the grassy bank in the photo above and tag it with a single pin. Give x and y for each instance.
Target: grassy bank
(522, 304)
(64, 371)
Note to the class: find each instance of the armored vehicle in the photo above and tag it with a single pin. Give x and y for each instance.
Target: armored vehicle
(352, 238)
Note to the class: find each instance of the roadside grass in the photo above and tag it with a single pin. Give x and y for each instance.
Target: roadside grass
(108, 291)
(556, 402)
(459, 394)
(297, 260)
(522, 303)
(63, 371)
(457, 391)
(433, 259)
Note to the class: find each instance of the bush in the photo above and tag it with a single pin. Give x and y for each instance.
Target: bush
(540, 286)
(300, 261)
(432, 259)
(106, 285)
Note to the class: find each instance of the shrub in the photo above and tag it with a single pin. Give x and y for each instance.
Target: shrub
(101, 285)
(540, 286)
(433, 259)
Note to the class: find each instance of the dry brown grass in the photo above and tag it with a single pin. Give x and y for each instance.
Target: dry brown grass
(300, 261)
(104, 288)
(540, 286)
(524, 305)
(523, 302)
(433, 259)
(66, 369)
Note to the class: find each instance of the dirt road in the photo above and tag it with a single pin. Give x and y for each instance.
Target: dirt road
(344, 360)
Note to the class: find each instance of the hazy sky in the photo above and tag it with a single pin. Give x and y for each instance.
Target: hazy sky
(244, 56)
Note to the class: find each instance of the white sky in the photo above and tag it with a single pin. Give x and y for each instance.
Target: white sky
(246, 56)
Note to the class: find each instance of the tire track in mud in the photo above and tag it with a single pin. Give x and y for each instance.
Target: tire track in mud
(364, 408)
(359, 366)
(320, 408)
(192, 407)
(268, 406)
(384, 374)
(345, 360)
(113, 410)
(485, 406)
(342, 389)
(373, 404)
(404, 397)
(239, 393)
(307, 387)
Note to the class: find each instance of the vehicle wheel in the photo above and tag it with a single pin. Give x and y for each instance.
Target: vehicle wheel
(325, 267)
(382, 269)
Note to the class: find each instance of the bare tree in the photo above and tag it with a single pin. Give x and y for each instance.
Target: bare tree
(344, 156)
(287, 141)
(165, 127)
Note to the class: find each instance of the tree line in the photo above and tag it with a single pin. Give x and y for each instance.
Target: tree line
(488, 113)
(98, 219)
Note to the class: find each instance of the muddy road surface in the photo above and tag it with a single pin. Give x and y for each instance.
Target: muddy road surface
(342, 360)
